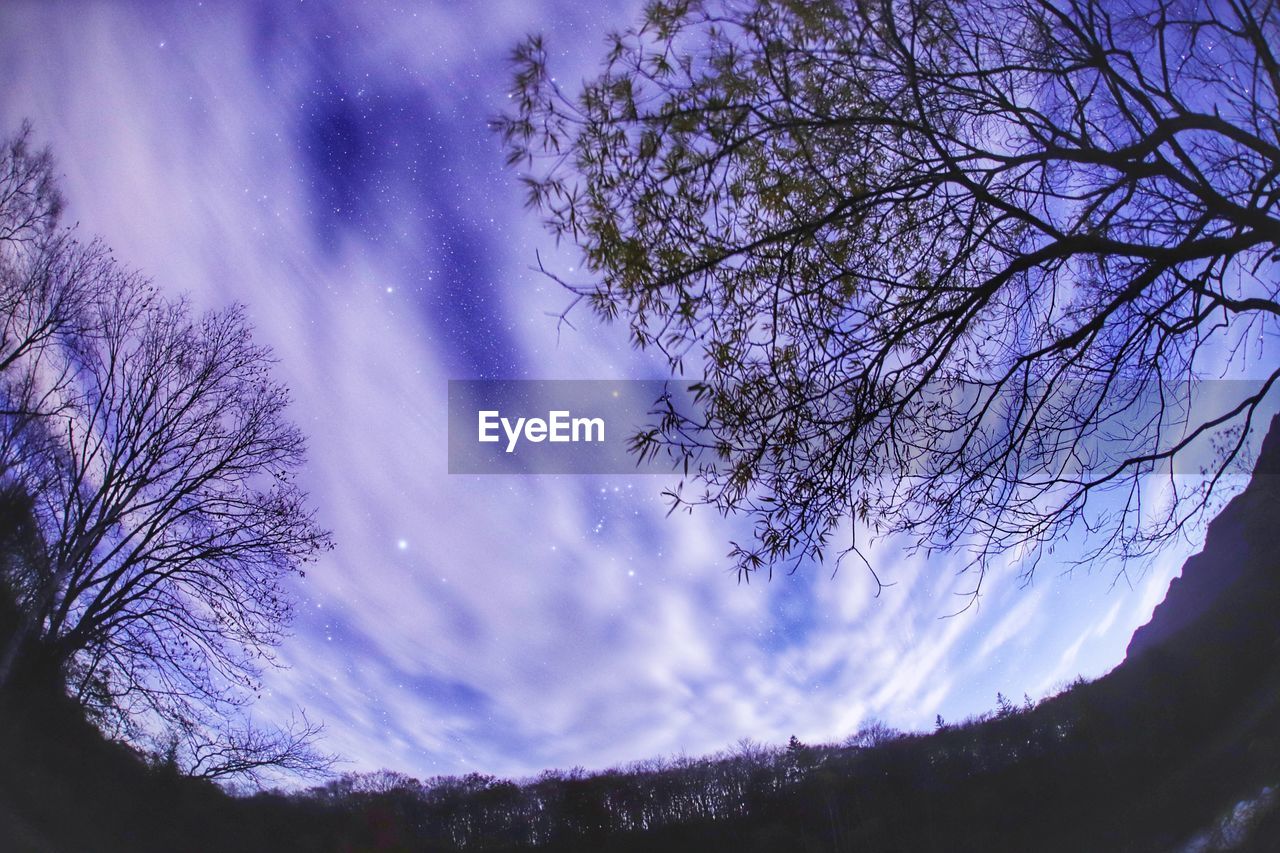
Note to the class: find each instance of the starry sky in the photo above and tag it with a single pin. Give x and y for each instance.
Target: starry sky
(330, 166)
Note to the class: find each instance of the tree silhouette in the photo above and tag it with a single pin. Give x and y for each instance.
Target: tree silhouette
(951, 269)
(157, 466)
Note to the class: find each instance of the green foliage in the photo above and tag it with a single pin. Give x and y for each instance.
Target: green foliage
(923, 254)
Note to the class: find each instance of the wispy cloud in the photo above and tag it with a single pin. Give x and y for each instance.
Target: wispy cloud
(332, 169)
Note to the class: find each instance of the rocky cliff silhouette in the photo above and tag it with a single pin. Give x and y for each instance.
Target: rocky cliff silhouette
(1233, 584)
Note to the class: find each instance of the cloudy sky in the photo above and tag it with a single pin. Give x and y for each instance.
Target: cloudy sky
(330, 166)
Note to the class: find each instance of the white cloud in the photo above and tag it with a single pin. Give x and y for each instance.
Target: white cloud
(503, 637)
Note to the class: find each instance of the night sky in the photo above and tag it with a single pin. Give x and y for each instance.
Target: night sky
(330, 166)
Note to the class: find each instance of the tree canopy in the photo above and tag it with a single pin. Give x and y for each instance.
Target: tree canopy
(951, 269)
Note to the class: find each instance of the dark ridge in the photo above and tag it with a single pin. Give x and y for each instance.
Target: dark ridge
(1239, 556)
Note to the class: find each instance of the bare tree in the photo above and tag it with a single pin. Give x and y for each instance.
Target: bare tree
(47, 281)
(951, 269)
(43, 274)
(159, 467)
(249, 752)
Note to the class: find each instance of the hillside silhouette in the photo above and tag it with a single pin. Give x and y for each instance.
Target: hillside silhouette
(1178, 748)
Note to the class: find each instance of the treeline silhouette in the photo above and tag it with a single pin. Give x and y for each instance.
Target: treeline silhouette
(1143, 759)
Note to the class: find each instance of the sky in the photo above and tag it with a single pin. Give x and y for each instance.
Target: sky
(330, 166)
